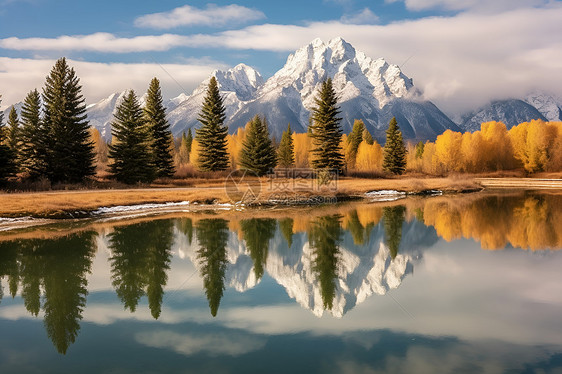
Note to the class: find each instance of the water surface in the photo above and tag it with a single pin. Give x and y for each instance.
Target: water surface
(442, 284)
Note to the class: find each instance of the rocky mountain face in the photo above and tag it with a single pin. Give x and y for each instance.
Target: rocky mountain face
(368, 89)
(371, 90)
(511, 112)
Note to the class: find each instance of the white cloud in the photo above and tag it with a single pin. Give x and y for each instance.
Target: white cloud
(222, 343)
(460, 61)
(97, 42)
(187, 15)
(365, 17)
(473, 5)
(99, 79)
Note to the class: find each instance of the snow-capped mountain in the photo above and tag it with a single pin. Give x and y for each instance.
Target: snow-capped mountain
(101, 113)
(237, 85)
(511, 112)
(548, 105)
(371, 90)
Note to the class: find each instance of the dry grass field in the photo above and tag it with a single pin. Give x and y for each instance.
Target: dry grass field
(57, 204)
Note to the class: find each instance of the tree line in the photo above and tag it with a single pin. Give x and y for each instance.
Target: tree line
(53, 141)
(252, 148)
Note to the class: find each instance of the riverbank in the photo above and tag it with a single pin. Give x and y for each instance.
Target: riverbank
(82, 203)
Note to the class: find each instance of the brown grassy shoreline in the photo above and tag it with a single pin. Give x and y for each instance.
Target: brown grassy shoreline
(58, 204)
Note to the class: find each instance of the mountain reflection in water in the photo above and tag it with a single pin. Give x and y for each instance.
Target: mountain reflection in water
(327, 259)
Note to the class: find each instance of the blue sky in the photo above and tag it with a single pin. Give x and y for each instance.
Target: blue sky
(459, 52)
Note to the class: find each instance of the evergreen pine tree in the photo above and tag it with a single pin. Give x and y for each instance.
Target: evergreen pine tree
(394, 150)
(33, 136)
(131, 149)
(70, 151)
(189, 141)
(155, 116)
(6, 155)
(14, 132)
(211, 136)
(325, 130)
(257, 153)
(419, 149)
(353, 140)
(286, 151)
(367, 137)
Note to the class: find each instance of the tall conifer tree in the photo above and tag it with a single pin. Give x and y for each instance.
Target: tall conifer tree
(33, 152)
(367, 137)
(155, 116)
(394, 149)
(257, 153)
(189, 141)
(14, 132)
(286, 152)
(70, 150)
(325, 130)
(211, 136)
(6, 156)
(130, 151)
(353, 140)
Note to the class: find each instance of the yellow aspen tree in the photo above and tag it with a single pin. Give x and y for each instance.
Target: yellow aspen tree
(302, 150)
(448, 150)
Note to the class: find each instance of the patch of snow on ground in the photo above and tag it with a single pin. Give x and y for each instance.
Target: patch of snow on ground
(130, 208)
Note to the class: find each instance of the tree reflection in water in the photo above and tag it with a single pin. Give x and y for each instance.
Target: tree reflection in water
(60, 266)
(257, 234)
(393, 221)
(141, 255)
(324, 237)
(212, 235)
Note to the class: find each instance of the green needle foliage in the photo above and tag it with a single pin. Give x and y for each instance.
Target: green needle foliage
(367, 137)
(325, 130)
(394, 150)
(70, 151)
(286, 151)
(130, 150)
(6, 155)
(14, 132)
(353, 140)
(33, 151)
(155, 116)
(257, 153)
(211, 136)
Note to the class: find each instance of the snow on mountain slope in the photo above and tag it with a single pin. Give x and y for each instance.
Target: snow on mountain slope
(237, 85)
(367, 89)
(371, 90)
(511, 112)
(549, 106)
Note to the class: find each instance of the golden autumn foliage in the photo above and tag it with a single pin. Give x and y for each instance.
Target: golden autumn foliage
(194, 155)
(234, 145)
(535, 146)
(369, 157)
(529, 222)
(303, 145)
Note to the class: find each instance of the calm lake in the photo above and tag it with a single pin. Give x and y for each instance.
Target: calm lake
(460, 284)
